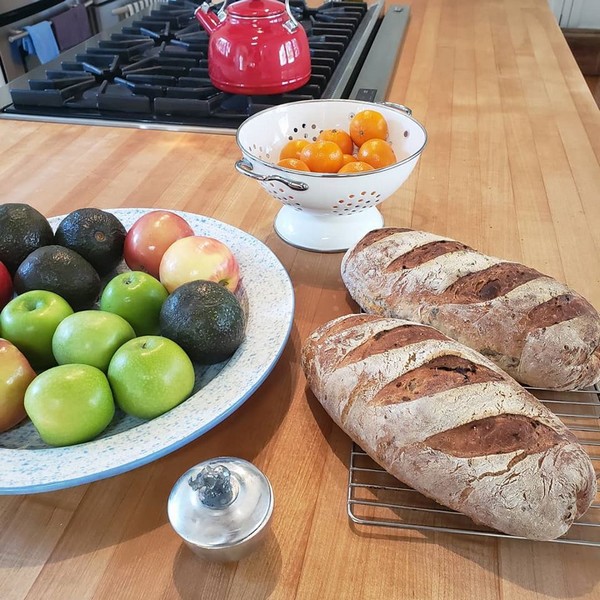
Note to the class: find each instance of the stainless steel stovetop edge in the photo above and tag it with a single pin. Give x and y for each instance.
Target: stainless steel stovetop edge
(338, 84)
(177, 128)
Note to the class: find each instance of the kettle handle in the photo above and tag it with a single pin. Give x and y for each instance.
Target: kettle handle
(222, 13)
(208, 4)
(291, 24)
(245, 167)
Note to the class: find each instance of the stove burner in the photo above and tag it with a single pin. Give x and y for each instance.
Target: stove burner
(156, 69)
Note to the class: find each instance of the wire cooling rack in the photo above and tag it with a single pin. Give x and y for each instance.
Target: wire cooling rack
(376, 498)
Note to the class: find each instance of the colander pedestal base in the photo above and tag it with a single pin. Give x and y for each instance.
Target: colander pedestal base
(325, 233)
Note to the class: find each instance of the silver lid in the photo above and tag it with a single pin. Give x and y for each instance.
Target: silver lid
(220, 503)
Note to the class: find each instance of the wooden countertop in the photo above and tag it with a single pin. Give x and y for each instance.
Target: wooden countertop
(511, 168)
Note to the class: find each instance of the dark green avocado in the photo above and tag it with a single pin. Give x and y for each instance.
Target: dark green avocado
(23, 229)
(205, 319)
(96, 235)
(62, 271)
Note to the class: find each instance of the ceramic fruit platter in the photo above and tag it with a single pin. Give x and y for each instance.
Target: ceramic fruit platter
(29, 465)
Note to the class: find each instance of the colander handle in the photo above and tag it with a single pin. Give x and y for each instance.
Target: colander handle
(245, 168)
(401, 107)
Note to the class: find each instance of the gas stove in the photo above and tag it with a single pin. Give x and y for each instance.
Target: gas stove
(151, 71)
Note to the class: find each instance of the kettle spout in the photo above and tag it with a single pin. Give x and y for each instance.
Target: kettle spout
(207, 18)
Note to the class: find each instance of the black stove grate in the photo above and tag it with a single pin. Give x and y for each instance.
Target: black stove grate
(155, 69)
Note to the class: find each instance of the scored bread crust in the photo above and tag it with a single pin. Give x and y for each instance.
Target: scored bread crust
(537, 329)
(522, 472)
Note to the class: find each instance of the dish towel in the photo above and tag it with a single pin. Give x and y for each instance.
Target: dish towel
(41, 41)
(72, 27)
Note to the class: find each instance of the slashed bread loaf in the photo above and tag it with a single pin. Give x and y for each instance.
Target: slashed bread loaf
(448, 422)
(537, 329)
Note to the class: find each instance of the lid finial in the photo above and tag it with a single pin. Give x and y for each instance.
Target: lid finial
(213, 485)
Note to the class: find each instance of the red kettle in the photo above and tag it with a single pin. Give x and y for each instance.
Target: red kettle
(255, 47)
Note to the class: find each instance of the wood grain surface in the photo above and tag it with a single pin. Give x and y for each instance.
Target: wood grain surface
(511, 168)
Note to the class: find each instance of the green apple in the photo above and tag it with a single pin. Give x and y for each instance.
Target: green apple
(70, 404)
(90, 337)
(150, 375)
(137, 297)
(29, 322)
(15, 375)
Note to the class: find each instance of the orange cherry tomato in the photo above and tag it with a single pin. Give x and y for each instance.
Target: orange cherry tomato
(292, 149)
(293, 163)
(366, 125)
(356, 167)
(339, 137)
(378, 153)
(348, 158)
(323, 157)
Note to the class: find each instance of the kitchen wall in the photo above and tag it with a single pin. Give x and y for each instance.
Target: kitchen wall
(580, 14)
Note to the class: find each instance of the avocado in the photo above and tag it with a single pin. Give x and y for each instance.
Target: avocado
(23, 229)
(96, 235)
(62, 271)
(205, 319)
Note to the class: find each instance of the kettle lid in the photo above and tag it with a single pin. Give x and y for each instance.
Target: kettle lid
(256, 8)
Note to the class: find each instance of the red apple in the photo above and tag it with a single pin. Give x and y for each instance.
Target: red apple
(15, 376)
(150, 236)
(6, 286)
(198, 257)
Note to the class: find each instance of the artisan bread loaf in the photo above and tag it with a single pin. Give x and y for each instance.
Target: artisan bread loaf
(537, 329)
(451, 424)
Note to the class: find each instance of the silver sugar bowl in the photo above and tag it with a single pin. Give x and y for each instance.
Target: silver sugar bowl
(221, 508)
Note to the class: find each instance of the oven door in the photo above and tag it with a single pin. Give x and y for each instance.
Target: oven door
(103, 12)
(14, 15)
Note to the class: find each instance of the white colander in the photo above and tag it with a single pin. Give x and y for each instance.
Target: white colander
(322, 211)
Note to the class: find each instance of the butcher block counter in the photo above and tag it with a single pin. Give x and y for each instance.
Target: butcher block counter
(511, 168)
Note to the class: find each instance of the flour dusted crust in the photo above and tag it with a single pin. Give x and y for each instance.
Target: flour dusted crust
(537, 329)
(450, 423)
